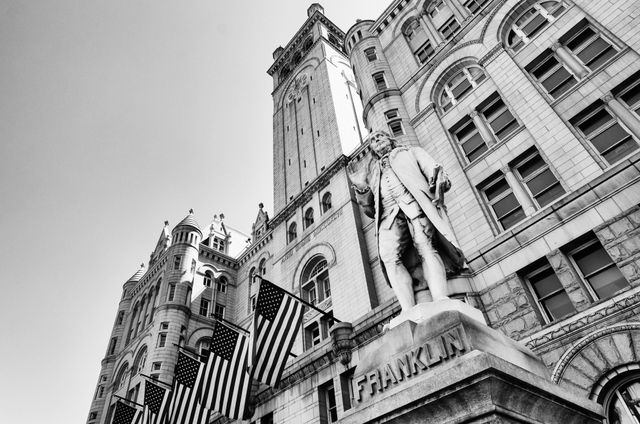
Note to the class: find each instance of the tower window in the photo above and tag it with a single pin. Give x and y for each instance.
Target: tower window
(177, 261)
(308, 218)
(172, 292)
(162, 339)
(370, 54)
(379, 80)
(394, 122)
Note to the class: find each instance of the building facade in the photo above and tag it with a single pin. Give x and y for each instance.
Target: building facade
(533, 109)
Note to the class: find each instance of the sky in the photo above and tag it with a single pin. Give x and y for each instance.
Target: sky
(114, 117)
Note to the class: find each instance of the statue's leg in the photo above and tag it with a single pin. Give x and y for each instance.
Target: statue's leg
(392, 243)
(433, 267)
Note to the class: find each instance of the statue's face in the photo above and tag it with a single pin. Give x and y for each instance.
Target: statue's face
(381, 143)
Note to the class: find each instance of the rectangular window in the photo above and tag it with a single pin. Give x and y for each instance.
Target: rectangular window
(162, 339)
(267, 418)
(449, 29)
(253, 303)
(346, 386)
(600, 127)
(425, 52)
(164, 325)
(538, 178)
(112, 345)
(601, 274)
(312, 335)
(204, 307)
(549, 72)
(394, 122)
(120, 318)
(549, 293)
(503, 202)
(630, 94)
(219, 311)
(498, 116)
(172, 292)
(474, 6)
(177, 260)
(156, 366)
(370, 53)
(327, 403)
(588, 45)
(379, 81)
(470, 140)
(221, 286)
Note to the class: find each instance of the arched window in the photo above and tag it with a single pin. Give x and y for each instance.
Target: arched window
(307, 44)
(315, 281)
(308, 218)
(621, 399)
(459, 85)
(326, 202)
(417, 39)
(297, 57)
(138, 364)
(529, 19)
(262, 268)
(292, 233)
(208, 278)
(252, 274)
(121, 379)
(222, 284)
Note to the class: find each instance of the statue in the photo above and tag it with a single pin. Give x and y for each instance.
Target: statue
(402, 188)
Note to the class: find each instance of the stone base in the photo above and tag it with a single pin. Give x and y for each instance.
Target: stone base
(425, 311)
(452, 369)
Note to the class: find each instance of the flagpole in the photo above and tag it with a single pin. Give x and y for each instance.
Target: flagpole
(304, 302)
(224, 321)
(155, 380)
(129, 400)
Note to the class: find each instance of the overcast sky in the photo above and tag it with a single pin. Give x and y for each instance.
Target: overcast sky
(114, 117)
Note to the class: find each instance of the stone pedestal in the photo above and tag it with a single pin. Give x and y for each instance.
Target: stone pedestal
(450, 368)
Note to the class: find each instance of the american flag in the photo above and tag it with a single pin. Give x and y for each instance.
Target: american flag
(276, 322)
(156, 403)
(184, 407)
(125, 414)
(227, 383)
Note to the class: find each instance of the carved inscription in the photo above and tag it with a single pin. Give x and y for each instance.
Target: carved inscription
(407, 365)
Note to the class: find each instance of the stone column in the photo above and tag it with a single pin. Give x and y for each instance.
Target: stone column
(483, 128)
(628, 118)
(432, 31)
(518, 191)
(577, 68)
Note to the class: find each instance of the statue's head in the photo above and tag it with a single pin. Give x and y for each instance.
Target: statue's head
(381, 143)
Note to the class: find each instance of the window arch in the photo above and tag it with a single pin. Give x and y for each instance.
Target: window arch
(307, 44)
(138, 364)
(308, 218)
(297, 57)
(527, 20)
(208, 278)
(262, 267)
(326, 202)
(315, 283)
(222, 283)
(620, 398)
(292, 232)
(418, 40)
(456, 84)
(121, 378)
(252, 274)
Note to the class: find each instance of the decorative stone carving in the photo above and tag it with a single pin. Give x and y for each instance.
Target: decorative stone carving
(295, 91)
(343, 344)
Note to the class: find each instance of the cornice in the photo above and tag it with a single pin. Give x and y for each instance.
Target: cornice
(377, 97)
(218, 257)
(256, 246)
(305, 195)
(300, 36)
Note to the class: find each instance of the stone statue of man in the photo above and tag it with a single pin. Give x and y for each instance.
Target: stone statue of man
(402, 188)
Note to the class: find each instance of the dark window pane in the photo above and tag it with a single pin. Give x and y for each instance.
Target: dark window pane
(593, 51)
(594, 122)
(632, 96)
(557, 78)
(497, 189)
(609, 138)
(604, 57)
(621, 150)
(550, 195)
(544, 67)
(545, 283)
(559, 306)
(512, 219)
(531, 166)
(501, 121)
(535, 25)
(607, 282)
(465, 131)
(504, 206)
(581, 38)
(564, 87)
(591, 259)
(462, 88)
(474, 147)
(542, 181)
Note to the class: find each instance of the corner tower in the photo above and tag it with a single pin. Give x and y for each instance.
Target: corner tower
(316, 106)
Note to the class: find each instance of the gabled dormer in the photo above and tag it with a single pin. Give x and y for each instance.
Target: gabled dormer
(261, 224)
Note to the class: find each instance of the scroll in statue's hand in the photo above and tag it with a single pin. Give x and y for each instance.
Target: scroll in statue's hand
(439, 184)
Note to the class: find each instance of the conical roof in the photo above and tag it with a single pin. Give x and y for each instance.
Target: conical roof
(189, 221)
(138, 275)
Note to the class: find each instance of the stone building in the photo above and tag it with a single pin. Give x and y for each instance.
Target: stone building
(532, 107)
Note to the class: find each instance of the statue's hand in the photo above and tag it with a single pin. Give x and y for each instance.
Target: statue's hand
(358, 170)
(439, 184)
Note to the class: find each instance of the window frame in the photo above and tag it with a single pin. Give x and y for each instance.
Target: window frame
(574, 33)
(538, 63)
(380, 81)
(205, 305)
(546, 314)
(492, 181)
(488, 104)
(448, 89)
(526, 158)
(450, 28)
(517, 28)
(292, 232)
(370, 54)
(393, 119)
(461, 141)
